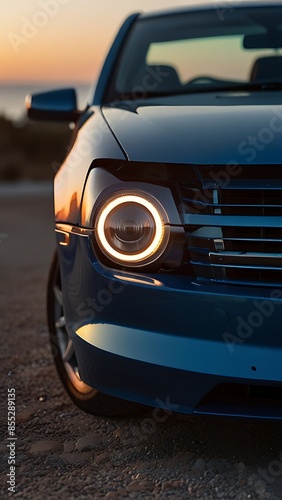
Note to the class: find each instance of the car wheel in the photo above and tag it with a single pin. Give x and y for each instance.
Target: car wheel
(84, 396)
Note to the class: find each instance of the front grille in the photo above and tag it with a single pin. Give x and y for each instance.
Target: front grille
(234, 226)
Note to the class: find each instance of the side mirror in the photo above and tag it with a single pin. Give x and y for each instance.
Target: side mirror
(56, 105)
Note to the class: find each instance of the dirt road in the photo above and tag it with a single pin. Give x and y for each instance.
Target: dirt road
(63, 453)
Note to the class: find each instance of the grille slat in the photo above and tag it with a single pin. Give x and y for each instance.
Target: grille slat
(232, 221)
(235, 266)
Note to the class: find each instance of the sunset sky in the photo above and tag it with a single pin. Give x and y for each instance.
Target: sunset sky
(62, 40)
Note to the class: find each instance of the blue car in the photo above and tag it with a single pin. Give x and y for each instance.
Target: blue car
(166, 287)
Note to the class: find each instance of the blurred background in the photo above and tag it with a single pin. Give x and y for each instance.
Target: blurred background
(47, 44)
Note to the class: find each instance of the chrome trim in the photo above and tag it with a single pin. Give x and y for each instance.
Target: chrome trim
(69, 229)
(233, 221)
(246, 258)
(139, 280)
(228, 205)
(65, 242)
(235, 266)
(218, 242)
(250, 240)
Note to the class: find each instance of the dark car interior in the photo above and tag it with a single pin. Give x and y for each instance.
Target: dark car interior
(267, 68)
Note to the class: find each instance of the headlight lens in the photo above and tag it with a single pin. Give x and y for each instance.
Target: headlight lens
(131, 230)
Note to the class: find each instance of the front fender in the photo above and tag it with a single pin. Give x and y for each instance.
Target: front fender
(94, 140)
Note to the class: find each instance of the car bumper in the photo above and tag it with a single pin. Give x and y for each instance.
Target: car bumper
(168, 342)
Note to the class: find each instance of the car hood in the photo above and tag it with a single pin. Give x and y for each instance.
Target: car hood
(199, 134)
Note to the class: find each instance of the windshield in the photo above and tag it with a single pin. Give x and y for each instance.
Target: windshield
(192, 51)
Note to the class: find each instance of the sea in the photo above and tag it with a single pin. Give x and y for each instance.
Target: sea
(12, 96)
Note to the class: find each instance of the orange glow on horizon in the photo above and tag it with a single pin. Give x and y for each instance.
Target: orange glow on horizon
(47, 60)
(62, 40)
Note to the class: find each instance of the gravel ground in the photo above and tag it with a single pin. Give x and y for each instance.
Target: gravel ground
(64, 453)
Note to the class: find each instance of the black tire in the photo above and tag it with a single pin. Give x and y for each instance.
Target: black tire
(86, 398)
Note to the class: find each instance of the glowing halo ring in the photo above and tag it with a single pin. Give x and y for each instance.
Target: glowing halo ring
(159, 228)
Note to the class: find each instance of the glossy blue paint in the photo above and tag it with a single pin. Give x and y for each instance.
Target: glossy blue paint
(161, 387)
(169, 339)
(93, 140)
(207, 135)
(166, 332)
(169, 334)
(186, 352)
(57, 105)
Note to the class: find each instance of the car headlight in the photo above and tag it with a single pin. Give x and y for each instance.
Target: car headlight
(131, 229)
